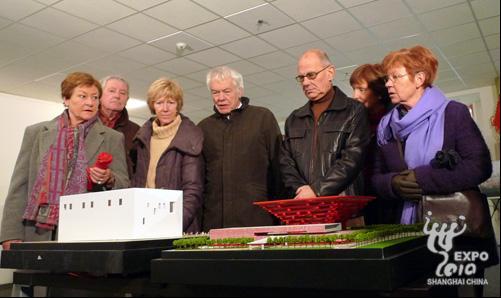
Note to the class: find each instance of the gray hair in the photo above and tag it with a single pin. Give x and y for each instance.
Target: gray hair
(221, 73)
(114, 77)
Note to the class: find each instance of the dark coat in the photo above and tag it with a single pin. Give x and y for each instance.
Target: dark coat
(460, 134)
(180, 167)
(343, 135)
(463, 136)
(377, 211)
(129, 129)
(241, 156)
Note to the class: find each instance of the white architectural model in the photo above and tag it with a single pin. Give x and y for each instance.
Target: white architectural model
(123, 214)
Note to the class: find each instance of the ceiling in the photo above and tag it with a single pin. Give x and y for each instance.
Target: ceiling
(43, 40)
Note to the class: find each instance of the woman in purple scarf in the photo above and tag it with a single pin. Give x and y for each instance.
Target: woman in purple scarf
(58, 158)
(423, 123)
(429, 145)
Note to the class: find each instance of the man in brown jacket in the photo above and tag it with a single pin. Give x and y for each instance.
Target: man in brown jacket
(113, 113)
(241, 145)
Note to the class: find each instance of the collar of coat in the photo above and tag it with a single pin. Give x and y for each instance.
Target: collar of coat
(93, 140)
(123, 120)
(245, 103)
(339, 102)
(188, 138)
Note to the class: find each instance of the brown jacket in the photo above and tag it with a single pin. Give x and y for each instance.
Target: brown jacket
(241, 156)
(129, 129)
(180, 167)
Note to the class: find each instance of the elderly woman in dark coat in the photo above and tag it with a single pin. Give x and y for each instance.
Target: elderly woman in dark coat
(424, 122)
(57, 157)
(167, 151)
(416, 135)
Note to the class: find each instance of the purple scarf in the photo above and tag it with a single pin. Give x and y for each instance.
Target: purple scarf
(422, 129)
(61, 172)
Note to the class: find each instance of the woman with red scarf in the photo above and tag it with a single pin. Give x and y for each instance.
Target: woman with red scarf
(57, 158)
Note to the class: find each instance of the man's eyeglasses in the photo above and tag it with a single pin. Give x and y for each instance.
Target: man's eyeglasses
(394, 77)
(310, 75)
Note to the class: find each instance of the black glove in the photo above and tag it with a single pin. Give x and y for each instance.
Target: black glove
(447, 159)
(406, 187)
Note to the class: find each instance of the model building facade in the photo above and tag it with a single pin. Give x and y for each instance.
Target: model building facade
(124, 214)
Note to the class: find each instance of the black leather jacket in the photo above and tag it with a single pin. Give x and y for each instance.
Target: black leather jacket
(342, 135)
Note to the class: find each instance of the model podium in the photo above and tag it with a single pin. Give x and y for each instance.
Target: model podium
(123, 214)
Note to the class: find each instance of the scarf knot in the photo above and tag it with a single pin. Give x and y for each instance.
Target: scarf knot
(422, 130)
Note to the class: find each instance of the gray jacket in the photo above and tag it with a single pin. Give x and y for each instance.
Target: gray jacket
(36, 141)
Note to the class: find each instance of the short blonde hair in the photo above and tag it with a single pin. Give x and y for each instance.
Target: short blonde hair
(164, 87)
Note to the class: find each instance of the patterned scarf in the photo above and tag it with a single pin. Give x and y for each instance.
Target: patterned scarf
(422, 129)
(62, 172)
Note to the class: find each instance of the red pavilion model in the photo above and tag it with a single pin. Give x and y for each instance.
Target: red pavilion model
(329, 209)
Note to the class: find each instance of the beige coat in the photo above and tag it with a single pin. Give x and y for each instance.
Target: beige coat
(36, 141)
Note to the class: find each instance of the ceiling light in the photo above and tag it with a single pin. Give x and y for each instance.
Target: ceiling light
(242, 11)
(162, 37)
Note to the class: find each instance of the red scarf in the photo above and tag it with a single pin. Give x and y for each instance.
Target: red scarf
(62, 171)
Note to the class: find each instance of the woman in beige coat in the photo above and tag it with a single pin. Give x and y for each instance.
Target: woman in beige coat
(57, 158)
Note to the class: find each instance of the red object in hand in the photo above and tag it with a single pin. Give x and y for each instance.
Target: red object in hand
(103, 161)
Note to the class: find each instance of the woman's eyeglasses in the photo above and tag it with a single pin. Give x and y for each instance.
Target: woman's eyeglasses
(393, 77)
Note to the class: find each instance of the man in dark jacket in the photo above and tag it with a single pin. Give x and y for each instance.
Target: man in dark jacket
(241, 146)
(113, 113)
(325, 140)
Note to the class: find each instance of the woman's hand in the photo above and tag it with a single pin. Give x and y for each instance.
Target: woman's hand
(406, 187)
(6, 244)
(102, 176)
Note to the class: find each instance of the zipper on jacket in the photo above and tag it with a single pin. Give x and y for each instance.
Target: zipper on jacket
(314, 147)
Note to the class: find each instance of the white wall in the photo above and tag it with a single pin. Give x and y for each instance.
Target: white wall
(17, 113)
(138, 121)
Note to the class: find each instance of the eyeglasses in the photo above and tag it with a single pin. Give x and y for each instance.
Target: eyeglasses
(394, 77)
(310, 75)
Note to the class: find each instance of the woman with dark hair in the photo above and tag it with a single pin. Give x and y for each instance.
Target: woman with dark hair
(57, 158)
(369, 88)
